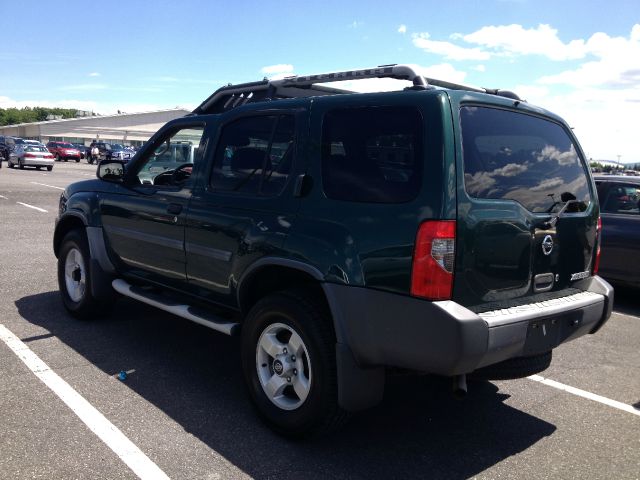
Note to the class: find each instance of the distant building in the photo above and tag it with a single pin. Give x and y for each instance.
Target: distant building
(126, 128)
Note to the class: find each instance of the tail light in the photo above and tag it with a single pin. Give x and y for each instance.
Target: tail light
(29, 155)
(48, 156)
(433, 257)
(596, 264)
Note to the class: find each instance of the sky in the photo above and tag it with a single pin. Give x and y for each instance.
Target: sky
(579, 59)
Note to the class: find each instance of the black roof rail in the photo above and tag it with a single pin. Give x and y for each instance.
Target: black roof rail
(231, 96)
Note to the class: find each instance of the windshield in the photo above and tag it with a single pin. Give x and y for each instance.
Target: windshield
(66, 145)
(514, 156)
(35, 148)
(117, 146)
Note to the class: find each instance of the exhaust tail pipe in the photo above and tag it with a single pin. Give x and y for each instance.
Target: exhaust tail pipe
(460, 386)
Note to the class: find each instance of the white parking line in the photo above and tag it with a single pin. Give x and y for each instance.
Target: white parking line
(2, 196)
(627, 315)
(128, 452)
(31, 206)
(45, 185)
(584, 394)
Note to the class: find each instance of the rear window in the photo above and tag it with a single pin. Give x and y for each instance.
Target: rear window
(372, 154)
(509, 155)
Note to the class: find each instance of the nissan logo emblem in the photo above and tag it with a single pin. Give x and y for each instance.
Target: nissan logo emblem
(278, 367)
(547, 245)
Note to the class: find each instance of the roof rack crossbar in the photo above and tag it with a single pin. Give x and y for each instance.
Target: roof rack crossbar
(400, 72)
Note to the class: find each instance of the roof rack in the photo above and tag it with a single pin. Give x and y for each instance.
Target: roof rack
(231, 96)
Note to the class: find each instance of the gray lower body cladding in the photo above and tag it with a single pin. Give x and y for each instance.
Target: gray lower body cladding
(386, 329)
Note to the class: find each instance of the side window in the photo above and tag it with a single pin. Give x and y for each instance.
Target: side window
(254, 155)
(171, 162)
(372, 154)
(622, 199)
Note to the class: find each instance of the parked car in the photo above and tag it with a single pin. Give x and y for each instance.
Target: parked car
(4, 149)
(64, 151)
(339, 235)
(620, 212)
(104, 149)
(29, 155)
(7, 145)
(83, 149)
(119, 152)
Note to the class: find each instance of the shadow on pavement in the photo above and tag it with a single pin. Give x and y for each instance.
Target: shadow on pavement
(194, 376)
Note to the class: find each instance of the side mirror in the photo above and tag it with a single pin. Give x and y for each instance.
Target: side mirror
(111, 171)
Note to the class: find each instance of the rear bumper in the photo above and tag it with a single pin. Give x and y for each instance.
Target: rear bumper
(37, 162)
(385, 329)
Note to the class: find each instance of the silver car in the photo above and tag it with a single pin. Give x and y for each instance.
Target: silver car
(26, 155)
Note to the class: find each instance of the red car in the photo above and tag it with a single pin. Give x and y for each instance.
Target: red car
(64, 151)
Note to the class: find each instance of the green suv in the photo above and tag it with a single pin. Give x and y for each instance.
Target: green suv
(440, 229)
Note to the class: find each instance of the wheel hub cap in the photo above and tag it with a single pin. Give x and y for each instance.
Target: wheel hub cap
(74, 275)
(283, 366)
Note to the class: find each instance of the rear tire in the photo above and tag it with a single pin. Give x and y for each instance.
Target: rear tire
(289, 365)
(20, 165)
(77, 160)
(50, 167)
(57, 157)
(74, 278)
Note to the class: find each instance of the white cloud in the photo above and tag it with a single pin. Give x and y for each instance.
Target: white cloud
(402, 29)
(94, 74)
(604, 120)
(617, 64)
(355, 24)
(278, 71)
(516, 40)
(479, 68)
(447, 49)
(442, 71)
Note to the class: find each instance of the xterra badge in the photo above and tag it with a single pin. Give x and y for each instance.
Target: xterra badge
(579, 275)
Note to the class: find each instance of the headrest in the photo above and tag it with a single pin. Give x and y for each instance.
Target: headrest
(247, 159)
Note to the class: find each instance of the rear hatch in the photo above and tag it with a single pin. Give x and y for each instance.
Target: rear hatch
(527, 215)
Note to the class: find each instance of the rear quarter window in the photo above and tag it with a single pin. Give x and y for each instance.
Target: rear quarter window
(516, 156)
(372, 154)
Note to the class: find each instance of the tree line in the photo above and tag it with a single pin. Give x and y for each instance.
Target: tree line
(13, 116)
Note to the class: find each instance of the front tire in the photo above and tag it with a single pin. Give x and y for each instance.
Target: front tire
(289, 365)
(74, 277)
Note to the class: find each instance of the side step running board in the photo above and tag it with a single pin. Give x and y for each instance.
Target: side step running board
(185, 311)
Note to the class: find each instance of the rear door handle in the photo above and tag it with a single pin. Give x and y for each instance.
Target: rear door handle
(174, 208)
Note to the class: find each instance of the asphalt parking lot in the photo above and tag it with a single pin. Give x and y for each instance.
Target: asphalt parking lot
(183, 404)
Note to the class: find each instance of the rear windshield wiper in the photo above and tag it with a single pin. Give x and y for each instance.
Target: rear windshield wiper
(552, 222)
